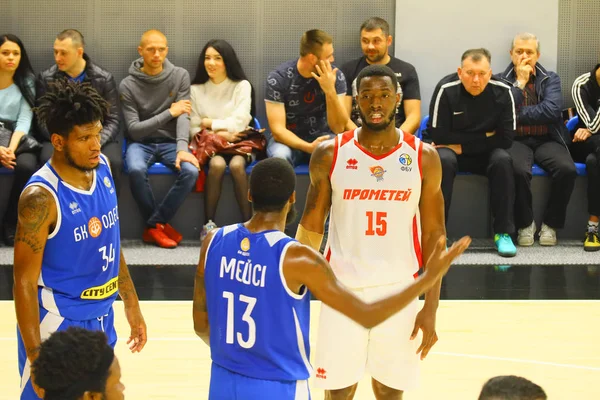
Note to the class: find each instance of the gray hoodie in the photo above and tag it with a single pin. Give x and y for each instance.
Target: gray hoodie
(146, 101)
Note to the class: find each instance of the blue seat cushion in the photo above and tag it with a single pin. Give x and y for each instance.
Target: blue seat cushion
(536, 170)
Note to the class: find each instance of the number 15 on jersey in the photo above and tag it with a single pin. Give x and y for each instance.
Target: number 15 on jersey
(376, 223)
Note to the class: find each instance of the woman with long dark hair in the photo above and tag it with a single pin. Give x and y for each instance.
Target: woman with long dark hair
(17, 97)
(223, 103)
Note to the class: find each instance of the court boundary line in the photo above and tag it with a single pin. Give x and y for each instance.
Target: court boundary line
(515, 360)
(439, 353)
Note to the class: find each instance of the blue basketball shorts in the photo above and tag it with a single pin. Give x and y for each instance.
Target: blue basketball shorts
(50, 323)
(228, 385)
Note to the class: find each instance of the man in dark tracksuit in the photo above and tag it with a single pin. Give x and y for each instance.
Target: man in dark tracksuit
(472, 123)
(72, 63)
(541, 137)
(586, 146)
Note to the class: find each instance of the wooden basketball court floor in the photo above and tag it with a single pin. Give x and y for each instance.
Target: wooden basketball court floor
(554, 343)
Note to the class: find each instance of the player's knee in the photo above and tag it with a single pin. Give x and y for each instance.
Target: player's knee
(341, 394)
(383, 392)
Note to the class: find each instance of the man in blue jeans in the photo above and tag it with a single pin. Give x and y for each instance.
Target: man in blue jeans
(304, 100)
(156, 106)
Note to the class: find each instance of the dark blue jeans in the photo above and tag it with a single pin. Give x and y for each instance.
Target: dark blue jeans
(141, 156)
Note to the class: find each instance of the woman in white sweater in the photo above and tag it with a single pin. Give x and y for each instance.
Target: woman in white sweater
(223, 102)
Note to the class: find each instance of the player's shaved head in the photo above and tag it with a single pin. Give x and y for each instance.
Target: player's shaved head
(152, 33)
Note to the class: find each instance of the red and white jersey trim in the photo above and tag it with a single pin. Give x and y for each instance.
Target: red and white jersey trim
(375, 228)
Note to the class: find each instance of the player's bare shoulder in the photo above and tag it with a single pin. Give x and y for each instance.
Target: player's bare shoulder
(37, 216)
(322, 158)
(429, 153)
(430, 159)
(300, 263)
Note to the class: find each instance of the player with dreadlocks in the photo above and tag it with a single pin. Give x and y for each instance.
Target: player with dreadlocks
(68, 264)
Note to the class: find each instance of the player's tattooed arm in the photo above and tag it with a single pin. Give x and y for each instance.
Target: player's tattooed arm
(318, 198)
(36, 218)
(200, 309)
(138, 336)
(35, 206)
(126, 288)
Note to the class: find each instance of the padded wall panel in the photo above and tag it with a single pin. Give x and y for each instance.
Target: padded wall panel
(578, 41)
(120, 25)
(433, 34)
(37, 24)
(264, 33)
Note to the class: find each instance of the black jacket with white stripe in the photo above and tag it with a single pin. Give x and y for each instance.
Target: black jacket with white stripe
(586, 95)
(457, 117)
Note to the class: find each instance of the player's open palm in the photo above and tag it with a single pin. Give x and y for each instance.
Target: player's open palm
(138, 337)
(440, 260)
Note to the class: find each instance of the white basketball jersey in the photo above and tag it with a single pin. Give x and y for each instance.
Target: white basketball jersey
(374, 226)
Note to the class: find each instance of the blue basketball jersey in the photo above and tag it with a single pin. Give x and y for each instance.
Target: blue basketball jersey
(258, 327)
(80, 266)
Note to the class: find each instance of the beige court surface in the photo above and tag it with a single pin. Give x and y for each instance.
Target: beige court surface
(554, 343)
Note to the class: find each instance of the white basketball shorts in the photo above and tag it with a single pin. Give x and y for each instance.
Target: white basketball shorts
(345, 350)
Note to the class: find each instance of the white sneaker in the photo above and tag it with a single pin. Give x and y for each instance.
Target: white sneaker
(525, 237)
(547, 236)
(207, 228)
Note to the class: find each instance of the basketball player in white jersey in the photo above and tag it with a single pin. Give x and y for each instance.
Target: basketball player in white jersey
(381, 187)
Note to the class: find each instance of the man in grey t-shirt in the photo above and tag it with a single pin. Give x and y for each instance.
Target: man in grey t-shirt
(156, 105)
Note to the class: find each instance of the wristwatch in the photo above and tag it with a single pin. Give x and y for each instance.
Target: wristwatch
(518, 84)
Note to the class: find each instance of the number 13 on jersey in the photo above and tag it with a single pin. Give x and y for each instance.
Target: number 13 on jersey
(229, 335)
(376, 223)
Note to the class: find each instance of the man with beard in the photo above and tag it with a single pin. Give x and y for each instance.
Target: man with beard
(382, 186)
(375, 41)
(252, 300)
(472, 124)
(68, 264)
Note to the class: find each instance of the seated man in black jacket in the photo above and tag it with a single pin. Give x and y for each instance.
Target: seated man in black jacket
(472, 123)
(72, 63)
(586, 146)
